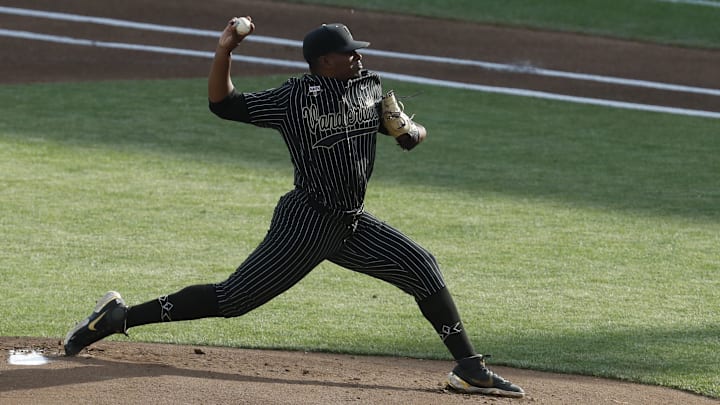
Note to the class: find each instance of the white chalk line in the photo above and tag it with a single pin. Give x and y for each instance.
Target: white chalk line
(388, 75)
(694, 2)
(499, 67)
(139, 47)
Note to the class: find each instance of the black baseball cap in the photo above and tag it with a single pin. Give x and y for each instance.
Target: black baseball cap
(329, 38)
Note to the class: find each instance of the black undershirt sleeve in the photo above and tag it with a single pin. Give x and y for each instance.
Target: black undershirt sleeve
(232, 107)
(381, 127)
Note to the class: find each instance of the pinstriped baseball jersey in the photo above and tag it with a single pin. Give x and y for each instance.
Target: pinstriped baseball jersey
(330, 128)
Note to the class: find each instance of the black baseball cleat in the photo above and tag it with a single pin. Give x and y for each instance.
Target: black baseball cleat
(470, 376)
(108, 318)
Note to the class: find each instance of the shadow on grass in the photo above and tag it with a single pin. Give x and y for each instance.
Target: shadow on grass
(647, 163)
(682, 358)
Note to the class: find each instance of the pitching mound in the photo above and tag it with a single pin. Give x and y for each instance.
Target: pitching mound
(120, 372)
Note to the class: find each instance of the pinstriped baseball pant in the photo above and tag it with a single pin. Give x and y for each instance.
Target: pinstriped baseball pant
(300, 238)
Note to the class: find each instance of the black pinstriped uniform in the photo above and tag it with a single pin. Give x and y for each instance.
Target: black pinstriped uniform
(330, 128)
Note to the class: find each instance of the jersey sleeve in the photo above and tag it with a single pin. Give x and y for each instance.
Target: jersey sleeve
(231, 107)
(268, 108)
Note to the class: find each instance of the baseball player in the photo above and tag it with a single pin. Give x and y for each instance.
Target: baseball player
(329, 119)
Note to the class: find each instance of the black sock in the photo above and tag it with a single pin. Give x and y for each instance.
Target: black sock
(194, 302)
(440, 310)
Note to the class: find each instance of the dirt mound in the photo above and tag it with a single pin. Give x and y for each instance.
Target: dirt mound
(122, 372)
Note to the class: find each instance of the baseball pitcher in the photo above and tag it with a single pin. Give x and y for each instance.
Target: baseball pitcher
(329, 119)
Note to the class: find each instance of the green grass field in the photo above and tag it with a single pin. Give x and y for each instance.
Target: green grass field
(647, 20)
(576, 239)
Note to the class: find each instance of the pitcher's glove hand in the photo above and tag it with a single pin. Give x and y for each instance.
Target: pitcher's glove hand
(398, 124)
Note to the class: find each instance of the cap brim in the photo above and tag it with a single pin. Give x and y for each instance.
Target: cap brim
(354, 45)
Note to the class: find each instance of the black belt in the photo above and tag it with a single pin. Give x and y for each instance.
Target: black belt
(346, 218)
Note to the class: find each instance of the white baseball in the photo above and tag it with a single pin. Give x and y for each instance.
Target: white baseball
(242, 26)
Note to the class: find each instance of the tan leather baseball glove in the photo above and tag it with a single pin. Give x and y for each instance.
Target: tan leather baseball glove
(398, 124)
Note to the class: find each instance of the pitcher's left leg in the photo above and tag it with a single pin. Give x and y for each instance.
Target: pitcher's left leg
(381, 251)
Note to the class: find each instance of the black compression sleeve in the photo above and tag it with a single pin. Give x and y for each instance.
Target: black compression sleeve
(193, 302)
(440, 310)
